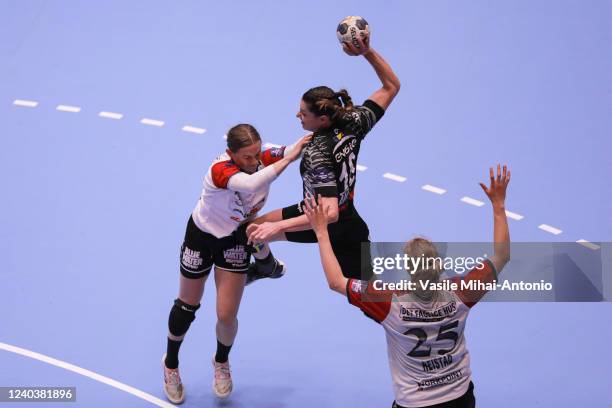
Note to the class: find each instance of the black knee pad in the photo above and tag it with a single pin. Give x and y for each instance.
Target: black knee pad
(181, 317)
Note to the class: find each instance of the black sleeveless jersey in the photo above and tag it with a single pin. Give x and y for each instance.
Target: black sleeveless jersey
(329, 161)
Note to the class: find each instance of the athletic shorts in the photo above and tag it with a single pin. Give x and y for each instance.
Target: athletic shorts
(347, 237)
(200, 250)
(467, 400)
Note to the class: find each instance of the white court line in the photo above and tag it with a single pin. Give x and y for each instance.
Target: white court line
(110, 115)
(68, 108)
(390, 176)
(588, 244)
(472, 201)
(394, 177)
(514, 216)
(94, 376)
(24, 103)
(433, 189)
(152, 122)
(548, 228)
(193, 129)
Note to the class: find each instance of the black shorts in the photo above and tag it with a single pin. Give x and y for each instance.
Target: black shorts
(467, 400)
(350, 239)
(200, 250)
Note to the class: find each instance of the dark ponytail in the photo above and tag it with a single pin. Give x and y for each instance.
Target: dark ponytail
(322, 100)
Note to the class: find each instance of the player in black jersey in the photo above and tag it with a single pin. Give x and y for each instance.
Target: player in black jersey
(329, 168)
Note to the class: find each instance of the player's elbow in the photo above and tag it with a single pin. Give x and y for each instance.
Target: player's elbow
(250, 188)
(331, 218)
(332, 214)
(500, 259)
(336, 286)
(393, 87)
(505, 257)
(502, 252)
(396, 86)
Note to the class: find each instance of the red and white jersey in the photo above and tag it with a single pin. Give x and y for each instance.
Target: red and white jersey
(219, 211)
(428, 357)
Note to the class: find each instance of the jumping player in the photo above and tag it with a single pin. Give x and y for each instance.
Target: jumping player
(329, 167)
(235, 189)
(428, 357)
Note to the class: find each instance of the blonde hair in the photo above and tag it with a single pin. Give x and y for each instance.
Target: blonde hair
(421, 247)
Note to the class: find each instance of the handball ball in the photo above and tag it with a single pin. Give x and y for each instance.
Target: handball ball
(351, 28)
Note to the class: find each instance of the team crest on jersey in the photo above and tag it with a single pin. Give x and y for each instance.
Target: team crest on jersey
(358, 286)
(277, 152)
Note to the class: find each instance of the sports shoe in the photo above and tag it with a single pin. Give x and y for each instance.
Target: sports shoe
(173, 387)
(254, 273)
(222, 381)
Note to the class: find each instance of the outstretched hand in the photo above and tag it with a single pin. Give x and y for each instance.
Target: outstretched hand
(299, 146)
(497, 190)
(261, 233)
(316, 214)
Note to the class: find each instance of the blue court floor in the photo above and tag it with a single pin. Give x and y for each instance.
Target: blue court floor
(111, 112)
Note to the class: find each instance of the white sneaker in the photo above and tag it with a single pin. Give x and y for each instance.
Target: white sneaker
(173, 387)
(222, 382)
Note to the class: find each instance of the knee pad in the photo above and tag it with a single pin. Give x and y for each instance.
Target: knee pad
(181, 317)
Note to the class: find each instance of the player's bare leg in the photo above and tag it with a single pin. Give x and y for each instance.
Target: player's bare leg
(230, 287)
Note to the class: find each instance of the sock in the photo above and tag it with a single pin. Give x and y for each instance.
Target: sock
(265, 261)
(262, 251)
(172, 351)
(222, 352)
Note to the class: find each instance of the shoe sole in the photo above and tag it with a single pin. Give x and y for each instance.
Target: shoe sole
(177, 402)
(284, 270)
(219, 395)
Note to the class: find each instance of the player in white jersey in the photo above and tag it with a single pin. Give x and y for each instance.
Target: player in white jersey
(428, 357)
(235, 188)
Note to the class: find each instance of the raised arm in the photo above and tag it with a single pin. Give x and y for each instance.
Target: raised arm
(250, 183)
(390, 82)
(318, 221)
(501, 233)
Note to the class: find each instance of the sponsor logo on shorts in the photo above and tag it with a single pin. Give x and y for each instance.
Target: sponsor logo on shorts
(191, 259)
(236, 255)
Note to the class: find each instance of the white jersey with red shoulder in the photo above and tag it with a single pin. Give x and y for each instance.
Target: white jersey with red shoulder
(427, 352)
(220, 210)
